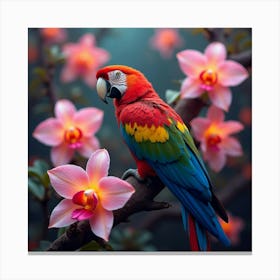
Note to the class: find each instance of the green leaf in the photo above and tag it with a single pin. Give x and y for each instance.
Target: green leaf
(44, 245)
(91, 246)
(36, 189)
(240, 35)
(144, 237)
(55, 56)
(61, 231)
(42, 108)
(171, 96)
(39, 173)
(34, 85)
(39, 167)
(54, 51)
(41, 72)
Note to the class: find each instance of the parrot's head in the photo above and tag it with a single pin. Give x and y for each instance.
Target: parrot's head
(123, 83)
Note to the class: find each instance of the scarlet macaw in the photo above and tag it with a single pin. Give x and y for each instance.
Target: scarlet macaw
(162, 145)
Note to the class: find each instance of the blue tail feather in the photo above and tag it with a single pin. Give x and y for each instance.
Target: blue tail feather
(184, 215)
(202, 211)
(201, 237)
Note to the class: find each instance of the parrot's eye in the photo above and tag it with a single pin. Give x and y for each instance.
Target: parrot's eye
(118, 74)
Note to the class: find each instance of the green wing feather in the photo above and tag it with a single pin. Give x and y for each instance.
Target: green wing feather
(177, 158)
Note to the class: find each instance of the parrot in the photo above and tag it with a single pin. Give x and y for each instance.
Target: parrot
(162, 145)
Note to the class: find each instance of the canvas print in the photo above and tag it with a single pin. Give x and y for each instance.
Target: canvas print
(139, 139)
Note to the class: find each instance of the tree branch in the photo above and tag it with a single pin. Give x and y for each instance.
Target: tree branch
(244, 58)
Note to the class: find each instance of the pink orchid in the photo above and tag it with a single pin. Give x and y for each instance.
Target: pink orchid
(210, 72)
(88, 194)
(165, 40)
(70, 131)
(83, 59)
(53, 35)
(214, 136)
(233, 228)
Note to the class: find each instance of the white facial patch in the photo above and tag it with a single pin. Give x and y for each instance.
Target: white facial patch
(118, 79)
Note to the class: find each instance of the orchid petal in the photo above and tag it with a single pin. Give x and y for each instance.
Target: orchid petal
(61, 154)
(216, 160)
(232, 146)
(68, 179)
(68, 49)
(230, 127)
(221, 97)
(50, 132)
(64, 110)
(114, 192)
(102, 55)
(191, 88)
(231, 73)
(192, 62)
(98, 166)
(90, 78)
(61, 215)
(68, 74)
(87, 40)
(89, 120)
(101, 222)
(215, 53)
(215, 114)
(89, 145)
(199, 126)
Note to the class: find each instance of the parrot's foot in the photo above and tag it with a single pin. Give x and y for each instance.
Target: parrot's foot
(134, 173)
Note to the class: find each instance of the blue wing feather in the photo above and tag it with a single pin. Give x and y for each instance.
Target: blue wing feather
(180, 168)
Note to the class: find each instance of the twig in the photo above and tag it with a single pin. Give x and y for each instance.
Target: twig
(50, 71)
(215, 34)
(244, 58)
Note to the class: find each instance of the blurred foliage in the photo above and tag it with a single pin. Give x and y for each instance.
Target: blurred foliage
(172, 96)
(129, 239)
(38, 179)
(94, 246)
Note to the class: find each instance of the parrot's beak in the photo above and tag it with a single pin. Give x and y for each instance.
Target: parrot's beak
(104, 90)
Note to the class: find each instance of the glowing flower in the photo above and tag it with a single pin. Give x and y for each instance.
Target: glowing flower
(32, 53)
(233, 228)
(83, 59)
(70, 131)
(245, 115)
(210, 72)
(53, 35)
(88, 194)
(165, 40)
(247, 171)
(214, 136)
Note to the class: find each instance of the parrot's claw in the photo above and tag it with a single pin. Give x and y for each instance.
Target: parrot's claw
(134, 173)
